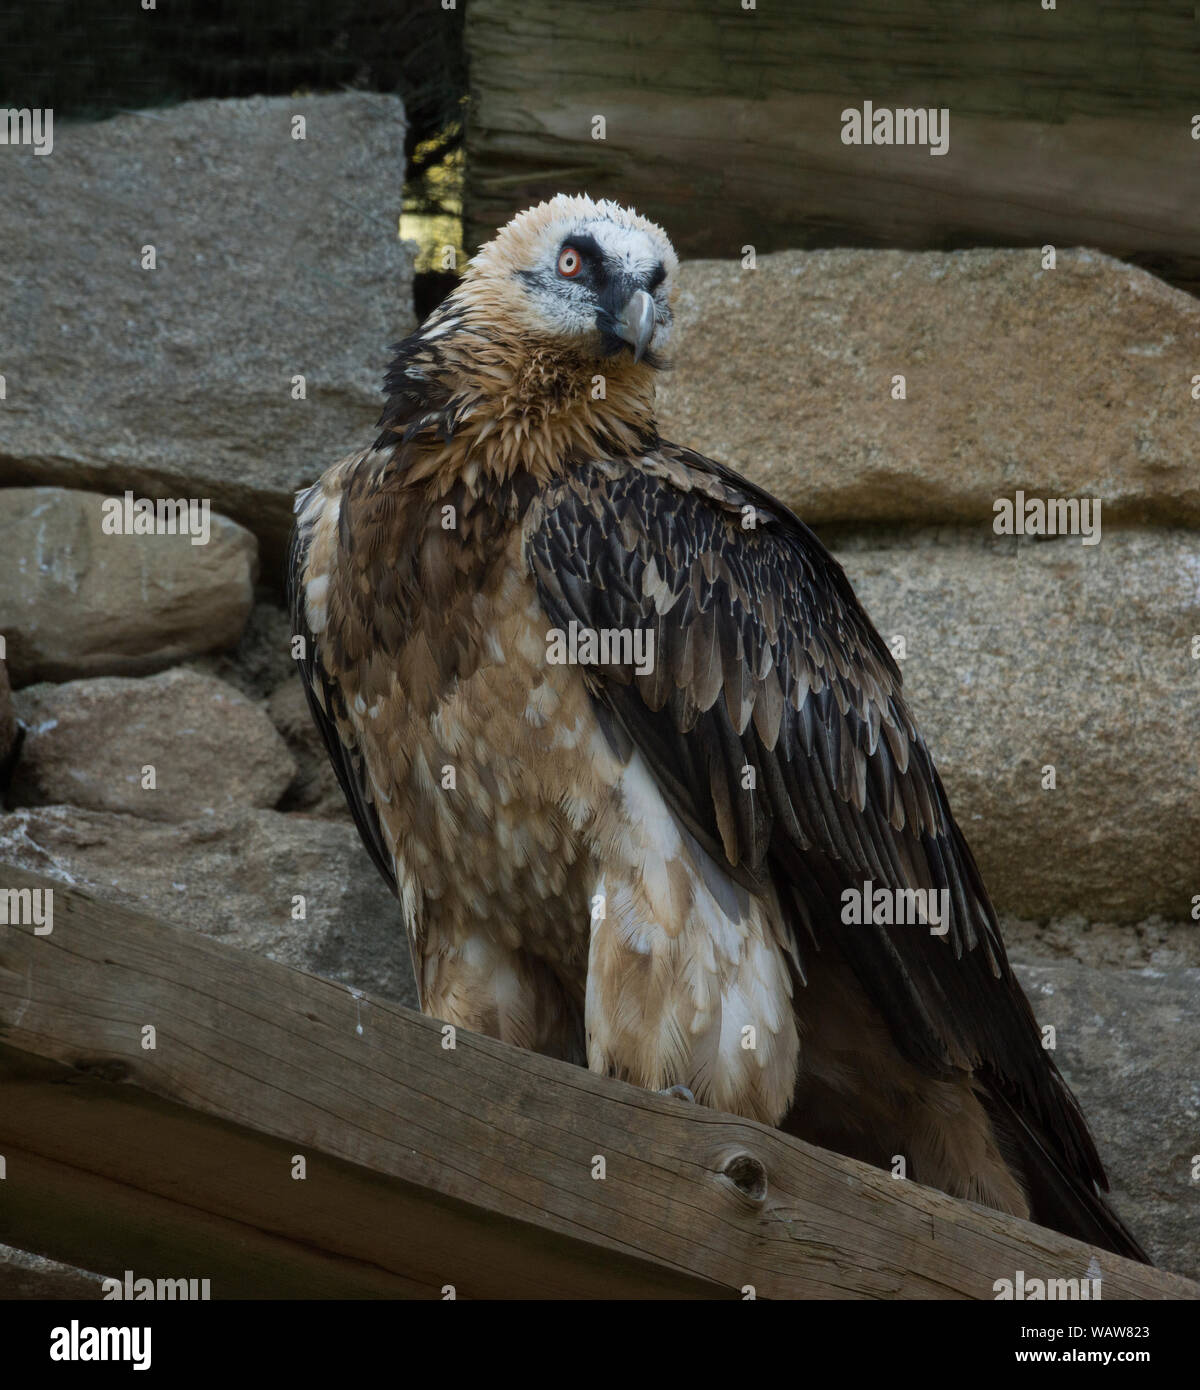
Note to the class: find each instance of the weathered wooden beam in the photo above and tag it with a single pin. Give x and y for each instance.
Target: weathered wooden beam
(725, 124)
(25, 1276)
(476, 1166)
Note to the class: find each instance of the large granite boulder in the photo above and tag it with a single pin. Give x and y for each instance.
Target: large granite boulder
(1068, 382)
(275, 258)
(1127, 1042)
(169, 747)
(237, 876)
(1024, 655)
(79, 600)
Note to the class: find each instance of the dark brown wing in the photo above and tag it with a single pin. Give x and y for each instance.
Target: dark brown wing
(765, 660)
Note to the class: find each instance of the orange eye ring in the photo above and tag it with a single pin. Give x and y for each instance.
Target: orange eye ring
(570, 262)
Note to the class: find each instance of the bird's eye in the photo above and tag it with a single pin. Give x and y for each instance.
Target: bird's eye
(570, 262)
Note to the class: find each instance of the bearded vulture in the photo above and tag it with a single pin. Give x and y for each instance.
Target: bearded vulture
(619, 736)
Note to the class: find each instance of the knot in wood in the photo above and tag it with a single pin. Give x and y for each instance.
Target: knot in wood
(748, 1175)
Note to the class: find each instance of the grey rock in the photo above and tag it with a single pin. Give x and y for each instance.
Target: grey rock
(1024, 654)
(262, 660)
(1155, 943)
(233, 876)
(1129, 1045)
(88, 742)
(1067, 382)
(76, 601)
(276, 258)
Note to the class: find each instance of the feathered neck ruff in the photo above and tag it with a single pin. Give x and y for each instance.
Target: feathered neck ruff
(469, 400)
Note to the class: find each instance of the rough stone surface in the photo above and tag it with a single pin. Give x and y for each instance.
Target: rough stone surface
(233, 877)
(262, 660)
(1156, 943)
(1067, 382)
(276, 258)
(75, 601)
(1128, 1044)
(1023, 654)
(87, 743)
(315, 787)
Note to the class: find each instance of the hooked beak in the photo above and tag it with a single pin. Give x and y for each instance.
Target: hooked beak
(636, 323)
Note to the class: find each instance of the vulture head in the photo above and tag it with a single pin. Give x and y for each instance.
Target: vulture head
(590, 277)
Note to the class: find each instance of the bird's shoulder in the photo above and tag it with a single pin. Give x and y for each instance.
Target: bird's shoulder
(690, 536)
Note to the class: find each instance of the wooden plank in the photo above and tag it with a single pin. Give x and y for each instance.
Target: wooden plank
(27, 1276)
(426, 1166)
(140, 1184)
(725, 125)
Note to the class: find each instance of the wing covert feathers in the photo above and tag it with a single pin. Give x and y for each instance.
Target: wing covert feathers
(775, 724)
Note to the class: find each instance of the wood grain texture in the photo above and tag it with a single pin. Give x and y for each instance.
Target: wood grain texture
(427, 1167)
(32, 1277)
(724, 125)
